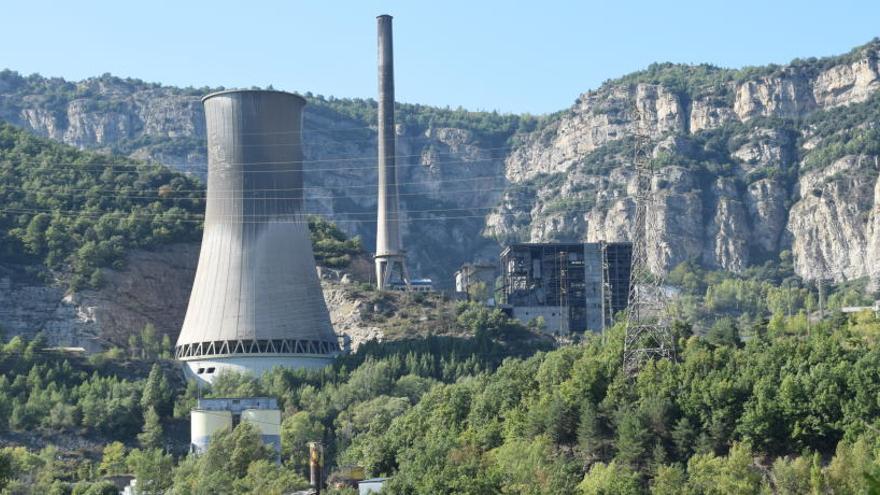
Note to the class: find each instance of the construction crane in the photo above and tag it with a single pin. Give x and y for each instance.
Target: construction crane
(647, 334)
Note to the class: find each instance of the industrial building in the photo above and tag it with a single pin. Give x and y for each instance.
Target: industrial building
(256, 301)
(213, 415)
(372, 485)
(572, 287)
(472, 275)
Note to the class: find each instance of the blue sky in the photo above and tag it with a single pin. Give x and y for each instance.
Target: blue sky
(514, 56)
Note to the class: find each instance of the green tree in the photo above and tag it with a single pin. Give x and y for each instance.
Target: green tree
(732, 475)
(532, 467)
(265, 477)
(852, 463)
(297, 431)
(6, 473)
(157, 393)
(610, 479)
(724, 332)
(632, 439)
(153, 470)
(95, 488)
(669, 480)
(151, 437)
(792, 476)
(113, 459)
(226, 463)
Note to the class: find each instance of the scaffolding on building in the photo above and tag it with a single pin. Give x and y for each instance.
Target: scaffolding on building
(567, 284)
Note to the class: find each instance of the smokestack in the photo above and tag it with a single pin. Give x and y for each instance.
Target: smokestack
(316, 466)
(390, 258)
(256, 301)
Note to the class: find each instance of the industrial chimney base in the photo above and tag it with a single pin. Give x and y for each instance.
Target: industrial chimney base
(391, 273)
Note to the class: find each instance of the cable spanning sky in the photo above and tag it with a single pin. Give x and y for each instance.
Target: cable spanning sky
(510, 56)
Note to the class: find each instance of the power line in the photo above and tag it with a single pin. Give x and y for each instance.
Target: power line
(201, 195)
(136, 167)
(298, 217)
(271, 216)
(303, 168)
(355, 186)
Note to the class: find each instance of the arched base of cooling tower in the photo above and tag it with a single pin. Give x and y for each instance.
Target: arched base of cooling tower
(206, 370)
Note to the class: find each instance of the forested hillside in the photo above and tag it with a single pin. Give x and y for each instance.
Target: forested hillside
(125, 411)
(793, 410)
(74, 212)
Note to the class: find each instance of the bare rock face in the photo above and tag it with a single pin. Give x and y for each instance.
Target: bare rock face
(767, 149)
(726, 218)
(848, 83)
(785, 96)
(727, 233)
(873, 237)
(598, 117)
(765, 203)
(154, 288)
(674, 219)
(28, 307)
(346, 315)
(831, 224)
(710, 112)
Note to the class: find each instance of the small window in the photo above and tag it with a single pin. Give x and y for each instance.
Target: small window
(201, 370)
(210, 370)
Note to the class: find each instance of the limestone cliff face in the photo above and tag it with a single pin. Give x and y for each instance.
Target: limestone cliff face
(728, 205)
(444, 172)
(833, 225)
(749, 163)
(153, 287)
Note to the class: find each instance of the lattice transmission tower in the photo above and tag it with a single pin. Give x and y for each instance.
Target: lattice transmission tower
(648, 335)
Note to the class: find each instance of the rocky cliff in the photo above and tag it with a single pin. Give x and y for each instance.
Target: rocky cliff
(748, 163)
(153, 287)
(450, 163)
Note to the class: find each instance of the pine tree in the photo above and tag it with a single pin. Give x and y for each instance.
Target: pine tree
(113, 459)
(166, 347)
(151, 436)
(157, 392)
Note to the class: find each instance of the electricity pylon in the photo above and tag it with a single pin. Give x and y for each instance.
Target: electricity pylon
(647, 316)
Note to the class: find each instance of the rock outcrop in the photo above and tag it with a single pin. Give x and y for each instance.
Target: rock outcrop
(748, 164)
(153, 287)
(732, 186)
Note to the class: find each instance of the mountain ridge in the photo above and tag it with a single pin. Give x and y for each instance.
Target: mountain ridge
(751, 163)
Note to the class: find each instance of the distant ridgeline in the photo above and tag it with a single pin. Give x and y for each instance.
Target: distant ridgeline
(75, 212)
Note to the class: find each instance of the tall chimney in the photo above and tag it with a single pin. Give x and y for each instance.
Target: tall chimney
(390, 258)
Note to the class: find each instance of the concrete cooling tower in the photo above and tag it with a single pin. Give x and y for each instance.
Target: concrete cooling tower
(256, 301)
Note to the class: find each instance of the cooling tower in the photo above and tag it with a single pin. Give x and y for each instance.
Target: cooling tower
(256, 301)
(390, 258)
